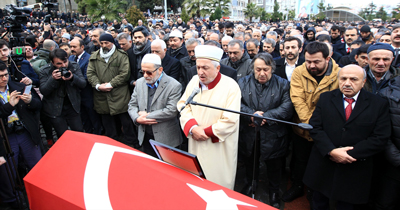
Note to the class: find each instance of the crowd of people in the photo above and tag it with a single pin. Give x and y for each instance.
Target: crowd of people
(130, 82)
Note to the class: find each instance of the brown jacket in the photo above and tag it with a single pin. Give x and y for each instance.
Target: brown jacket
(305, 92)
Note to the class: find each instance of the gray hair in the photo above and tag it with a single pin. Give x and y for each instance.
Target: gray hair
(239, 34)
(233, 42)
(254, 41)
(256, 30)
(122, 36)
(49, 44)
(229, 38)
(101, 31)
(192, 41)
(273, 33)
(215, 63)
(161, 42)
(267, 58)
(270, 41)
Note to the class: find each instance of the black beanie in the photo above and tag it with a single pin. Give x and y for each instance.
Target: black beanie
(106, 37)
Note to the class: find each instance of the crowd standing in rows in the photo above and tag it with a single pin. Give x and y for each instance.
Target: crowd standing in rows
(129, 81)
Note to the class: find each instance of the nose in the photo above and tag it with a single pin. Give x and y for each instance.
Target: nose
(381, 62)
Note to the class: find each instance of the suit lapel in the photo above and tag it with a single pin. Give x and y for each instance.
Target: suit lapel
(337, 100)
(160, 88)
(361, 104)
(145, 94)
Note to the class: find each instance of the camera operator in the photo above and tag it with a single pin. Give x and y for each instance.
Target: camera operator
(20, 115)
(60, 84)
(25, 74)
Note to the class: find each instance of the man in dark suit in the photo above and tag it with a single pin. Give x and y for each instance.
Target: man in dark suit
(177, 49)
(286, 65)
(171, 66)
(350, 35)
(351, 125)
(90, 119)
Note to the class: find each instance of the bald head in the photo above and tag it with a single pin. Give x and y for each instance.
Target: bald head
(351, 80)
(214, 37)
(49, 44)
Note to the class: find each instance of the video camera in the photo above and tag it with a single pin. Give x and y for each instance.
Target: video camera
(51, 5)
(17, 18)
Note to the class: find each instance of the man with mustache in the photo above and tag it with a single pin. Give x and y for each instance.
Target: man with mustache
(141, 47)
(90, 119)
(238, 59)
(379, 69)
(286, 65)
(108, 72)
(94, 45)
(350, 35)
(265, 94)
(153, 105)
(395, 38)
(317, 75)
(177, 47)
(351, 126)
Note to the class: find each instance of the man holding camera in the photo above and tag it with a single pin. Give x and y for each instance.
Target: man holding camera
(20, 114)
(60, 84)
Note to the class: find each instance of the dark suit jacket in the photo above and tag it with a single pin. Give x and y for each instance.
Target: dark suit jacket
(171, 66)
(281, 67)
(87, 91)
(83, 62)
(225, 70)
(367, 130)
(179, 55)
(340, 48)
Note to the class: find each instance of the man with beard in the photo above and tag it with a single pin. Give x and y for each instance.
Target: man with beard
(309, 36)
(66, 47)
(285, 66)
(177, 47)
(335, 35)
(108, 72)
(238, 59)
(171, 66)
(95, 44)
(229, 29)
(379, 69)
(141, 48)
(318, 74)
(253, 46)
(366, 35)
(350, 35)
(153, 106)
(90, 119)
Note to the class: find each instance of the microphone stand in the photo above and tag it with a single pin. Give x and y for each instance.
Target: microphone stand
(13, 175)
(257, 121)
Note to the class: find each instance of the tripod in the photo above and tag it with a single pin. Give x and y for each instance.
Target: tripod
(18, 187)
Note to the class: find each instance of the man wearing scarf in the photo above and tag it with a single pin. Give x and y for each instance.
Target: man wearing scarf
(142, 47)
(177, 49)
(108, 72)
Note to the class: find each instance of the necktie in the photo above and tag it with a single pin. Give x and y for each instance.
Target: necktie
(348, 50)
(349, 107)
(76, 58)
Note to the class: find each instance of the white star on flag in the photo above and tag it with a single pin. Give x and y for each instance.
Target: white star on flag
(218, 199)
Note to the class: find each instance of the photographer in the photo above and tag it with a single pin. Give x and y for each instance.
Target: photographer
(60, 84)
(25, 74)
(20, 114)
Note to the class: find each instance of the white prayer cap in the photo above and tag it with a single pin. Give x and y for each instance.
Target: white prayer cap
(151, 58)
(176, 33)
(208, 52)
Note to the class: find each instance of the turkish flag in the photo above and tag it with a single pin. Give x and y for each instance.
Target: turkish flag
(85, 171)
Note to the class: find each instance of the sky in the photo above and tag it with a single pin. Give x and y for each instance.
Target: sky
(361, 3)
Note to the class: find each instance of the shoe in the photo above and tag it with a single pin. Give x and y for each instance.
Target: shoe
(274, 200)
(247, 190)
(50, 142)
(294, 192)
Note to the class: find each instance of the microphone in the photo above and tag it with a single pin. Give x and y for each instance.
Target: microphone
(196, 90)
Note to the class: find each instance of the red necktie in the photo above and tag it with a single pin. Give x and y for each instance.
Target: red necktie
(348, 49)
(349, 107)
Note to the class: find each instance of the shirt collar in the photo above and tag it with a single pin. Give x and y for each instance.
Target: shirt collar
(354, 97)
(212, 84)
(286, 62)
(7, 89)
(80, 56)
(156, 83)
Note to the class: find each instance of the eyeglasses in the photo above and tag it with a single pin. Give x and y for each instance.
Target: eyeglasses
(3, 76)
(148, 72)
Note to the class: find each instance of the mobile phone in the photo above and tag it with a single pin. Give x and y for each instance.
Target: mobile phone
(28, 89)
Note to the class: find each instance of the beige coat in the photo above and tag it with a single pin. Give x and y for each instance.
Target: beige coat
(305, 92)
